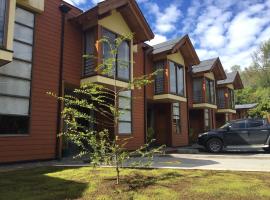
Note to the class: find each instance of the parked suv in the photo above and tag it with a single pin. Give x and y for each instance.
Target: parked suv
(245, 133)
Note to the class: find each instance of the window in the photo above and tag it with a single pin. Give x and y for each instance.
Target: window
(159, 79)
(210, 91)
(197, 90)
(176, 117)
(15, 78)
(253, 124)
(176, 79)
(231, 99)
(3, 8)
(89, 63)
(207, 119)
(125, 110)
(238, 125)
(221, 98)
(121, 66)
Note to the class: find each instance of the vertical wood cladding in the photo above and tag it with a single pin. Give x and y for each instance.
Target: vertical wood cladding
(137, 135)
(41, 141)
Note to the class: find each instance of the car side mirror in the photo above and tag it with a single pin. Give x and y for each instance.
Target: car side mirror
(228, 128)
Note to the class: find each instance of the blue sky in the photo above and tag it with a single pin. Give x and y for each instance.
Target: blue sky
(230, 29)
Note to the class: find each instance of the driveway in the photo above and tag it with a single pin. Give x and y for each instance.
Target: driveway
(228, 161)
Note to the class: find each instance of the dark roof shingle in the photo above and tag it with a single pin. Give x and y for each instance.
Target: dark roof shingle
(230, 78)
(165, 46)
(204, 66)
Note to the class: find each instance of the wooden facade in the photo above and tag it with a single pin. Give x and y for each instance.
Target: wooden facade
(166, 106)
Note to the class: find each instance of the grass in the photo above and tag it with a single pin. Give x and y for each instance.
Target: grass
(85, 183)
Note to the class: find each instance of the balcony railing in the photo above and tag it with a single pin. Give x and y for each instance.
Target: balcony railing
(204, 91)
(225, 98)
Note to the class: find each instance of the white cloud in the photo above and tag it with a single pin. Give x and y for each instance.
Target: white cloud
(165, 19)
(157, 39)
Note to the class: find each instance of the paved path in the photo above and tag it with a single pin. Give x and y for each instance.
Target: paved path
(228, 161)
(235, 162)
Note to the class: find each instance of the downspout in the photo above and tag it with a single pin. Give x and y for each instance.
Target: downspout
(188, 75)
(64, 9)
(146, 50)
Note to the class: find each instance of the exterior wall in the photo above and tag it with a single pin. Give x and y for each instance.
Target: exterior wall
(138, 107)
(40, 143)
(181, 139)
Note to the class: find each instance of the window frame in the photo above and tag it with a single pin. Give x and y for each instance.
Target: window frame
(3, 44)
(20, 78)
(176, 67)
(116, 63)
(127, 109)
(178, 126)
(208, 82)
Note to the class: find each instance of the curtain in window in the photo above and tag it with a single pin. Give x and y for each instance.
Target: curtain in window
(2, 20)
(123, 61)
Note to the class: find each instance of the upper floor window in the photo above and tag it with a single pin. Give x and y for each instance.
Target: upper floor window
(120, 67)
(197, 90)
(210, 91)
(89, 50)
(176, 79)
(221, 98)
(159, 79)
(3, 10)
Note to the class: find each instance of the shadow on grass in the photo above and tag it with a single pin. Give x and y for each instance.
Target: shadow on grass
(37, 184)
(138, 181)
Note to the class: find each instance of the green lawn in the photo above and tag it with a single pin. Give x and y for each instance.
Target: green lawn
(86, 183)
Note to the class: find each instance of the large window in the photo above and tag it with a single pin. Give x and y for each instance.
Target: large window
(159, 79)
(210, 91)
(89, 62)
(197, 90)
(231, 101)
(3, 10)
(15, 78)
(221, 98)
(176, 117)
(121, 67)
(125, 109)
(176, 79)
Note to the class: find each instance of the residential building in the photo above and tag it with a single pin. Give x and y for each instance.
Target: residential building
(167, 109)
(202, 81)
(226, 97)
(42, 44)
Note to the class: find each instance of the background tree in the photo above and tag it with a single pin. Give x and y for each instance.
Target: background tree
(104, 147)
(256, 79)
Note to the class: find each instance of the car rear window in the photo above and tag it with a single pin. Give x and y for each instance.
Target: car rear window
(241, 124)
(253, 124)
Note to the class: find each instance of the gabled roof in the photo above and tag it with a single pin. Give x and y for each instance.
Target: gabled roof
(130, 11)
(246, 106)
(232, 78)
(211, 65)
(182, 44)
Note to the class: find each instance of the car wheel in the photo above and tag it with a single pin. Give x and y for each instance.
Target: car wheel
(214, 145)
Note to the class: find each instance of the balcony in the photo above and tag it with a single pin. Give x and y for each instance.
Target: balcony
(225, 100)
(204, 93)
(169, 82)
